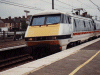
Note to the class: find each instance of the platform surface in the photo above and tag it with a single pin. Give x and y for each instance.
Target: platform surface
(70, 61)
(84, 62)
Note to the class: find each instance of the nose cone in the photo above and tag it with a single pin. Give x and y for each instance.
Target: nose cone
(36, 31)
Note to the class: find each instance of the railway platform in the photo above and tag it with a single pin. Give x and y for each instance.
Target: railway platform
(80, 60)
(84, 62)
(10, 44)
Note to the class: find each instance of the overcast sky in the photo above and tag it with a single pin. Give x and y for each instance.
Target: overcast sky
(7, 10)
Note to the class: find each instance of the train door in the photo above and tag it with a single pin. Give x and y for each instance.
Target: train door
(69, 21)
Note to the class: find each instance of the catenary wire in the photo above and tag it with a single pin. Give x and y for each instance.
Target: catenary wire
(95, 5)
(85, 4)
(20, 5)
(66, 4)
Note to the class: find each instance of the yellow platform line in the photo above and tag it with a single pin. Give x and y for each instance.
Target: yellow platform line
(79, 67)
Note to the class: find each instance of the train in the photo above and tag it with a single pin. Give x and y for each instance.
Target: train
(56, 29)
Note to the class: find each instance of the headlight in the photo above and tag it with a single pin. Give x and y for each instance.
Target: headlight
(54, 38)
(30, 39)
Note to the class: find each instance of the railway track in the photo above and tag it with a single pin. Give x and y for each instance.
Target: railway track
(13, 60)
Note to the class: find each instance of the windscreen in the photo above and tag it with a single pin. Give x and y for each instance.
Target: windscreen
(38, 21)
(45, 20)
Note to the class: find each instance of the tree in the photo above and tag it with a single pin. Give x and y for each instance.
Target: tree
(0, 29)
(24, 25)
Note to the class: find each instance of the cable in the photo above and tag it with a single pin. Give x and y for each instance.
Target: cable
(20, 5)
(46, 1)
(25, 6)
(66, 4)
(84, 4)
(95, 5)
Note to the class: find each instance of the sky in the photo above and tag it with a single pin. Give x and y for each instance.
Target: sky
(37, 6)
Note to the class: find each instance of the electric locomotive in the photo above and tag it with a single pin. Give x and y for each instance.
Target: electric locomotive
(58, 29)
(52, 27)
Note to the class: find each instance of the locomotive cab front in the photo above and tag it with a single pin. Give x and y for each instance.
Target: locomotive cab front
(49, 29)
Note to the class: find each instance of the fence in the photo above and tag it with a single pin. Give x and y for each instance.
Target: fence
(12, 35)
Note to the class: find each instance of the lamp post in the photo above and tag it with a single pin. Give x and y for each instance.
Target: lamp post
(52, 4)
(26, 12)
(27, 21)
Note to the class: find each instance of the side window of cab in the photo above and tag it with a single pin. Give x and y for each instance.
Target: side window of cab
(68, 19)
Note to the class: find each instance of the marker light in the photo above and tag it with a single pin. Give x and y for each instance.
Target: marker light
(30, 39)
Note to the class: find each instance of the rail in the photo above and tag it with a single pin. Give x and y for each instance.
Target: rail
(15, 59)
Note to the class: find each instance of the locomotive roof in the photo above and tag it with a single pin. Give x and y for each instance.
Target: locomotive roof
(50, 12)
(47, 12)
(80, 17)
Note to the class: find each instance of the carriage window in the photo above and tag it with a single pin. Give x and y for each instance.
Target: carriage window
(81, 22)
(87, 23)
(75, 23)
(93, 23)
(84, 24)
(90, 24)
